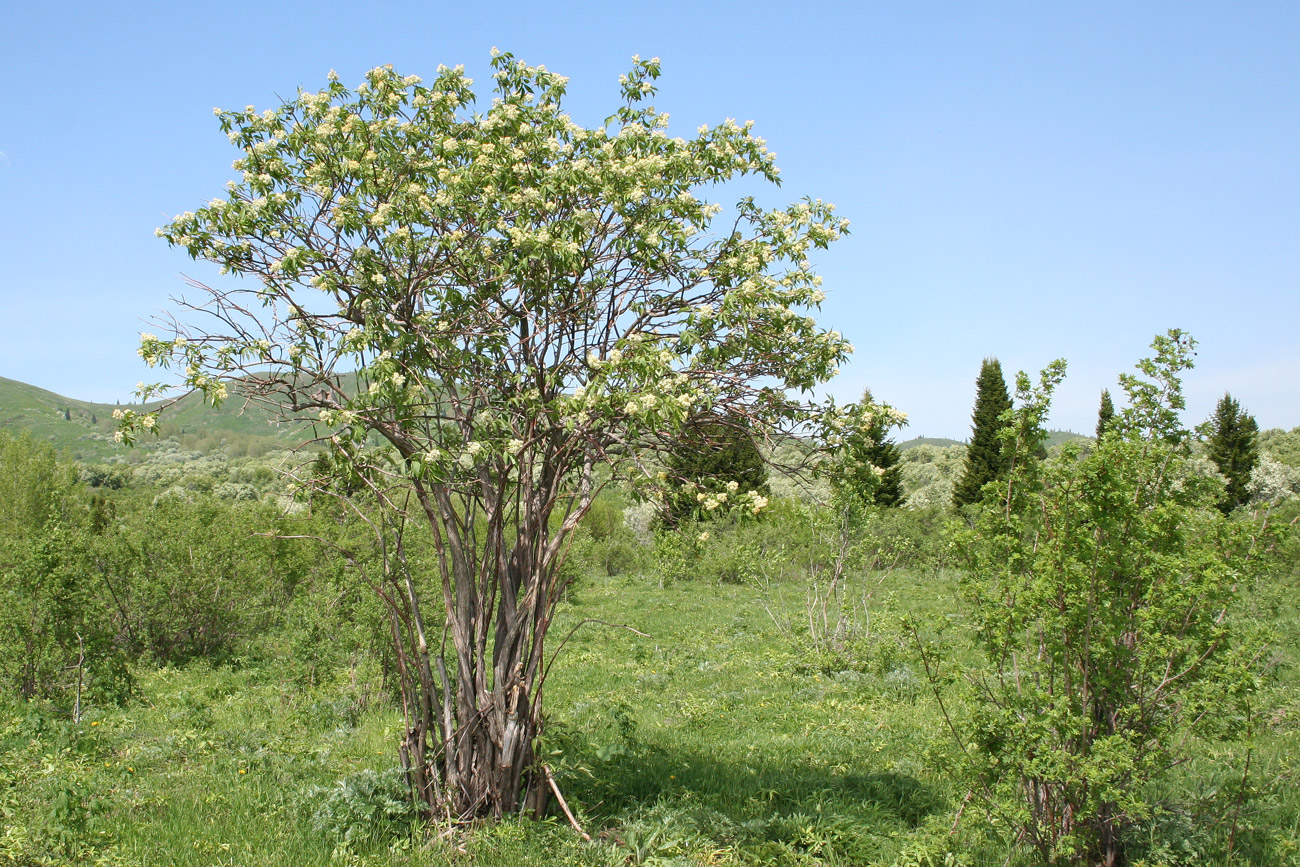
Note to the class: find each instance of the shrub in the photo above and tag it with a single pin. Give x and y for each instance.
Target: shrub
(1103, 591)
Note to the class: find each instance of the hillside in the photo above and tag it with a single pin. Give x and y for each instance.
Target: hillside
(938, 442)
(1054, 438)
(85, 430)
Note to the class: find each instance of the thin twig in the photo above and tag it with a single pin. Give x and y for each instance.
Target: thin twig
(550, 778)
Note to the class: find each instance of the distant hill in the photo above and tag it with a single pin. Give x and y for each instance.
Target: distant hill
(940, 442)
(85, 430)
(1054, 438)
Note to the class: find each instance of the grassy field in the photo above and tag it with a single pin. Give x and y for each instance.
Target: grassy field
(719, 739)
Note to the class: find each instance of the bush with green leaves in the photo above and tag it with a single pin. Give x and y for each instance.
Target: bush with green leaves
(1282, 445)
(930, 473)
(365, 808)
(58, 636)
(604, 543)
(1104, 591)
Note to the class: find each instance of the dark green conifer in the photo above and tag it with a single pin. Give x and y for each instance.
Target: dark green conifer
(986, 459)
(1233, 445)
(710, 452)
(1105, 413)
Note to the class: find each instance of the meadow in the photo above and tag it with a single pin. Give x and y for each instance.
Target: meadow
(723, 735)
(194, 674)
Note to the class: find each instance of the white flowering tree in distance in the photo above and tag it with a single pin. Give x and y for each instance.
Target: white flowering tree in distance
(474, 310)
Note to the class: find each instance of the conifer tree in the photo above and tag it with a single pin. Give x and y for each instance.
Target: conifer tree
(985, 457)
(713, 454)
(1105, 413)
(873, 452)
(1232, 444)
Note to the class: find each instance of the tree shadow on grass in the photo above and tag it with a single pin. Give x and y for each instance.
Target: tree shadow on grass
(762, 806)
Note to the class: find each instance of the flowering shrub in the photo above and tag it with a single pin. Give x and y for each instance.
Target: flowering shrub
(518, 300)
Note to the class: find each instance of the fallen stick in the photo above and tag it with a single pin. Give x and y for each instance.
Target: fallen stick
(550, 778)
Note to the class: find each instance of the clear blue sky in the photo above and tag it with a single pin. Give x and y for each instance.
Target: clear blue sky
(1031, 180)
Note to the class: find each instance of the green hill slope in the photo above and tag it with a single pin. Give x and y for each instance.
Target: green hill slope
(1054, 438)
(938, 442)
(85, 430)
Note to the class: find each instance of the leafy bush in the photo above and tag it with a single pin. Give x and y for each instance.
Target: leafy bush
(363, 809)
(57, 634)
(1104, 592)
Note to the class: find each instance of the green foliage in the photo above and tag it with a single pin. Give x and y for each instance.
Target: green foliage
(57, 636)
(604, 544)
(1105, 413)
(1105, 593)
(718, 739)
(1231, 442)
(90, 583)
(865, 469)
(1283, 445)
(930, 473)
(365, 808)
(1273, 481)
(193, 577)
(34, 485)
(712, 457)
(986, 457)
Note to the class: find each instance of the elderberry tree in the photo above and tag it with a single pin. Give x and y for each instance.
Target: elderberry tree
(484, 315)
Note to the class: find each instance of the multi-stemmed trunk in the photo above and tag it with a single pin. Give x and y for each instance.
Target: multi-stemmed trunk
(472, 685)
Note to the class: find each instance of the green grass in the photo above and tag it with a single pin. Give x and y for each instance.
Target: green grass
(717, 740)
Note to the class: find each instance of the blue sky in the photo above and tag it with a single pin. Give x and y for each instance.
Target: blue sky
(1031, 181)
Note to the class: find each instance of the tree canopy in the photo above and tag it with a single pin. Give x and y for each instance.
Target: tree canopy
(472, 309)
